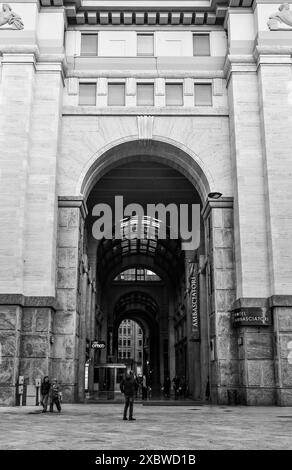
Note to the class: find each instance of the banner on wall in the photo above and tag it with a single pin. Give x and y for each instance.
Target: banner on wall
(194, 293)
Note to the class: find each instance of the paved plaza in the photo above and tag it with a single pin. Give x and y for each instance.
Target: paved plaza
(100, 426)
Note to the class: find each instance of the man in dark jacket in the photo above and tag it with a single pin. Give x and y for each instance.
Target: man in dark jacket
(128, 387)
(45, 390)
(55, 396)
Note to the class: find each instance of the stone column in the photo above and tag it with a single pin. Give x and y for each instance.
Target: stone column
(218, 217)
(72, 212)
(10, 330)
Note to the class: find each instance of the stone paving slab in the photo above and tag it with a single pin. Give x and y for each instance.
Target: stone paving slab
(99, 427)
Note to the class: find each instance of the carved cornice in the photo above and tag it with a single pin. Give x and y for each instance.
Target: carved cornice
(147, 12)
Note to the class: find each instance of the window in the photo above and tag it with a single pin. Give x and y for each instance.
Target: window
(129, 331)
(201, 44)
(174, 94)
(145, 44)
(203, 94)
(88, 44)
(129, 354)
(145, 94)
(116, 94)
(124, 342)
(129, 342)
(140, 355)
(140, 331)
(125, 331)
(120, 342)
(120, 354)
(140, 342)
(87, 94)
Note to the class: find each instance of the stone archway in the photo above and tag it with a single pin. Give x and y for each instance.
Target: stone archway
(217, 218)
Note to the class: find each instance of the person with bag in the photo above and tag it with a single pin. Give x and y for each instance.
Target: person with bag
(45, 391)
(55, 396)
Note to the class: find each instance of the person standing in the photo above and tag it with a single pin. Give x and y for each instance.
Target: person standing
(144, 388)
(45, 391)
(128, 388)
(166, 387)
(176, 386)
(55, 396)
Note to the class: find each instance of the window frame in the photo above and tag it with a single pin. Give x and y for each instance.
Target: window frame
(204, 84)
(89, 54)
(113, 83)
(151, 105)
(180, 84)
(94, 84)
(145, 34)
(201, 34)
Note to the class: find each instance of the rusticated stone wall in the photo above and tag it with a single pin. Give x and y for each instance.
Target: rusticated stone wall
(221, 294)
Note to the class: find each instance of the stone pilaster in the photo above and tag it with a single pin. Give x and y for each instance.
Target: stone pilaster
(26, 342)
(72, 213)
(282, 321)
(16, 98)
(251, 253)
(218, 217)
(256, 385)
(10, 328)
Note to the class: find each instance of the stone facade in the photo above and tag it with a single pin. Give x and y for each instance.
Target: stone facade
(54, 150)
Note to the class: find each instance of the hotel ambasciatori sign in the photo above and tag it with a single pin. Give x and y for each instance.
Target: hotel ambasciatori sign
(252, 316)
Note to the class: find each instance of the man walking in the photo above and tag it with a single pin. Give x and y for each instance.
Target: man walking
(128, 388)
(45, 390)
(55, 396)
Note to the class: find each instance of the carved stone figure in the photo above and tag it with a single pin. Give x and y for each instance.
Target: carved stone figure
(7, 16)
(281, 19)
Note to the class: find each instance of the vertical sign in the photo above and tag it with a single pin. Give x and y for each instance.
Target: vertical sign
(194, 291)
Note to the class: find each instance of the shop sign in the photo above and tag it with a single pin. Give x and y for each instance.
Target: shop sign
(97, 344)
(252, 316)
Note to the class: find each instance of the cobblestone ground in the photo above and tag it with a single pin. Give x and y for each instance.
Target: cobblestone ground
(98, 427)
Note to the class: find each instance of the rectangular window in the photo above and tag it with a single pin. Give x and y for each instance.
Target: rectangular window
(145, 44)
(203, 94)
(201, 44)
(116, 94)
(129, 342)
(87, 94)
(145, 94)
(89, 44)
(129, 331)
(173, 94)
(140, 342)
(129, 354)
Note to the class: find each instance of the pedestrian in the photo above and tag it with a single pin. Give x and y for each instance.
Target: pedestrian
(55, 396)
(166, 387)
(45, 391)
(144, 388)
(176, 386)
(128, 388)
(183, 386)
(208, 394)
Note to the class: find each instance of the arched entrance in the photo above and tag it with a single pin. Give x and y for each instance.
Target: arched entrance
(142, 176)
(176, 310)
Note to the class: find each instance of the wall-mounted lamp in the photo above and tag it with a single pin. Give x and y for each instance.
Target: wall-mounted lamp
(214, 195)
